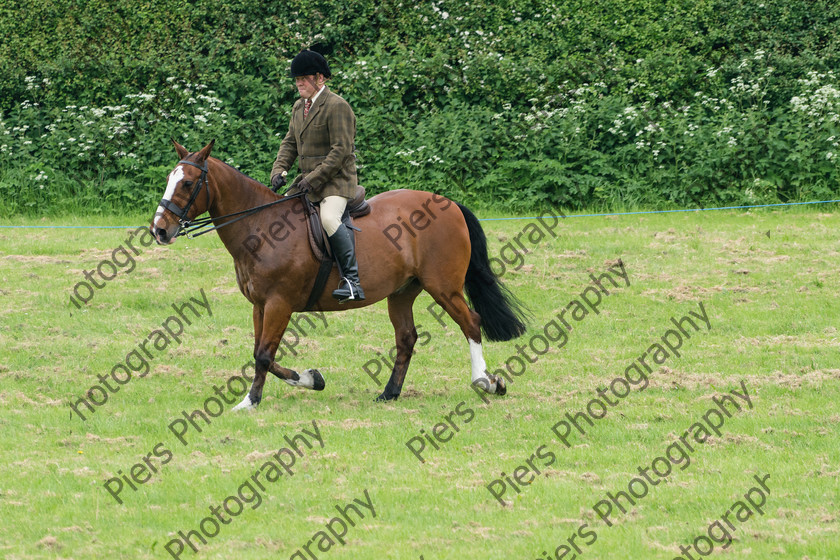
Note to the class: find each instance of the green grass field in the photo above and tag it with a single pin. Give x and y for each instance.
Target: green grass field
(767, 280)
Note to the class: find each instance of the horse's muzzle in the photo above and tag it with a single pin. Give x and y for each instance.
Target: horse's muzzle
(162, 236)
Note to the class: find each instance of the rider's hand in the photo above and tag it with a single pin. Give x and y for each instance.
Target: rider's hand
(304, 185)
(278, 181)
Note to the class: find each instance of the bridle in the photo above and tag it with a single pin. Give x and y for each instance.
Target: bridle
(190, 227)
(182, 212)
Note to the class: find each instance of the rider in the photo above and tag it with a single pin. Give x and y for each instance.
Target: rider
(322, 132)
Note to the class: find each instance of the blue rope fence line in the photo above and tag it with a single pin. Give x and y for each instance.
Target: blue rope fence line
(668, 211)
(515, 218)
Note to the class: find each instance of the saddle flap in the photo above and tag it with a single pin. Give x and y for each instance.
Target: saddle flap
(317, 235)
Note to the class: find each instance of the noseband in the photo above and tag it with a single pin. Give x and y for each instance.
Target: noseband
(182, 212)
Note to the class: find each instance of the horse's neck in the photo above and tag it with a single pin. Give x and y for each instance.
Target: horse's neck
(235, 192)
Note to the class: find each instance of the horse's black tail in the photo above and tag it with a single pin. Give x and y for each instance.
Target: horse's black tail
(503, 315)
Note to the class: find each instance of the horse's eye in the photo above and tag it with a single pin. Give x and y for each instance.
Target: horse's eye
(188, 184)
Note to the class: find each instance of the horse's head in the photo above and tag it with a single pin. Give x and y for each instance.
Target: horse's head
(182, 201)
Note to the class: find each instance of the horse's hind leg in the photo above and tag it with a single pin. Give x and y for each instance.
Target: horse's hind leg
(455, 305)
(402, 318)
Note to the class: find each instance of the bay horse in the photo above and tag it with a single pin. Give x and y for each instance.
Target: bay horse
(411, 241)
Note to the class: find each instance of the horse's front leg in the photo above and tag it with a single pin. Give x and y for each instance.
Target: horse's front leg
(270, 323)
(309, 379)
(258, 326)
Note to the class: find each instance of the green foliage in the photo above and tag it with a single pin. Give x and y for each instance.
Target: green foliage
(507, 104)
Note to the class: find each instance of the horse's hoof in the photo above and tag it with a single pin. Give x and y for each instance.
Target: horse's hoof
(309, 379)
(385, 398)
(501, 388)
(318, 382)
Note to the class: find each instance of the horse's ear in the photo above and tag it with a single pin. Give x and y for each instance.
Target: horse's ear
(205, 151)
(182, 151)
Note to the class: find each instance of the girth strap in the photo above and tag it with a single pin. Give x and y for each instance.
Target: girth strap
(320, 282)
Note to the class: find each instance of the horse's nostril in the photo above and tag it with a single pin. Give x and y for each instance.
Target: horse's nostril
(161, 234)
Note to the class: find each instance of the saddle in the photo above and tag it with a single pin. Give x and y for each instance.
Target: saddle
(356, 208)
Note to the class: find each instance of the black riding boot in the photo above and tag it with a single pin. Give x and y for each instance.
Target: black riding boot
(344, 251)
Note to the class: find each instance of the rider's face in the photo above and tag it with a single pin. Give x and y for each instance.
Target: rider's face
(308, 85)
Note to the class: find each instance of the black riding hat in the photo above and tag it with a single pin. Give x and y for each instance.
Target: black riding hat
(309, 63)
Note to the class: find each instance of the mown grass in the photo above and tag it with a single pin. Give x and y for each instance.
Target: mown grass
(767, 279)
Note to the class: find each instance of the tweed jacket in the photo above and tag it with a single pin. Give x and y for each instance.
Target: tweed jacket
(324, 144)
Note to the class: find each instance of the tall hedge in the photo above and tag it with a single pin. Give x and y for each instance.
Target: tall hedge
(512, 103)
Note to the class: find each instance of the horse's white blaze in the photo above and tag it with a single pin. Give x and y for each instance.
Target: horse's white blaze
(306, 379)
(174, 178)
(244, 405)
(479, 367)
